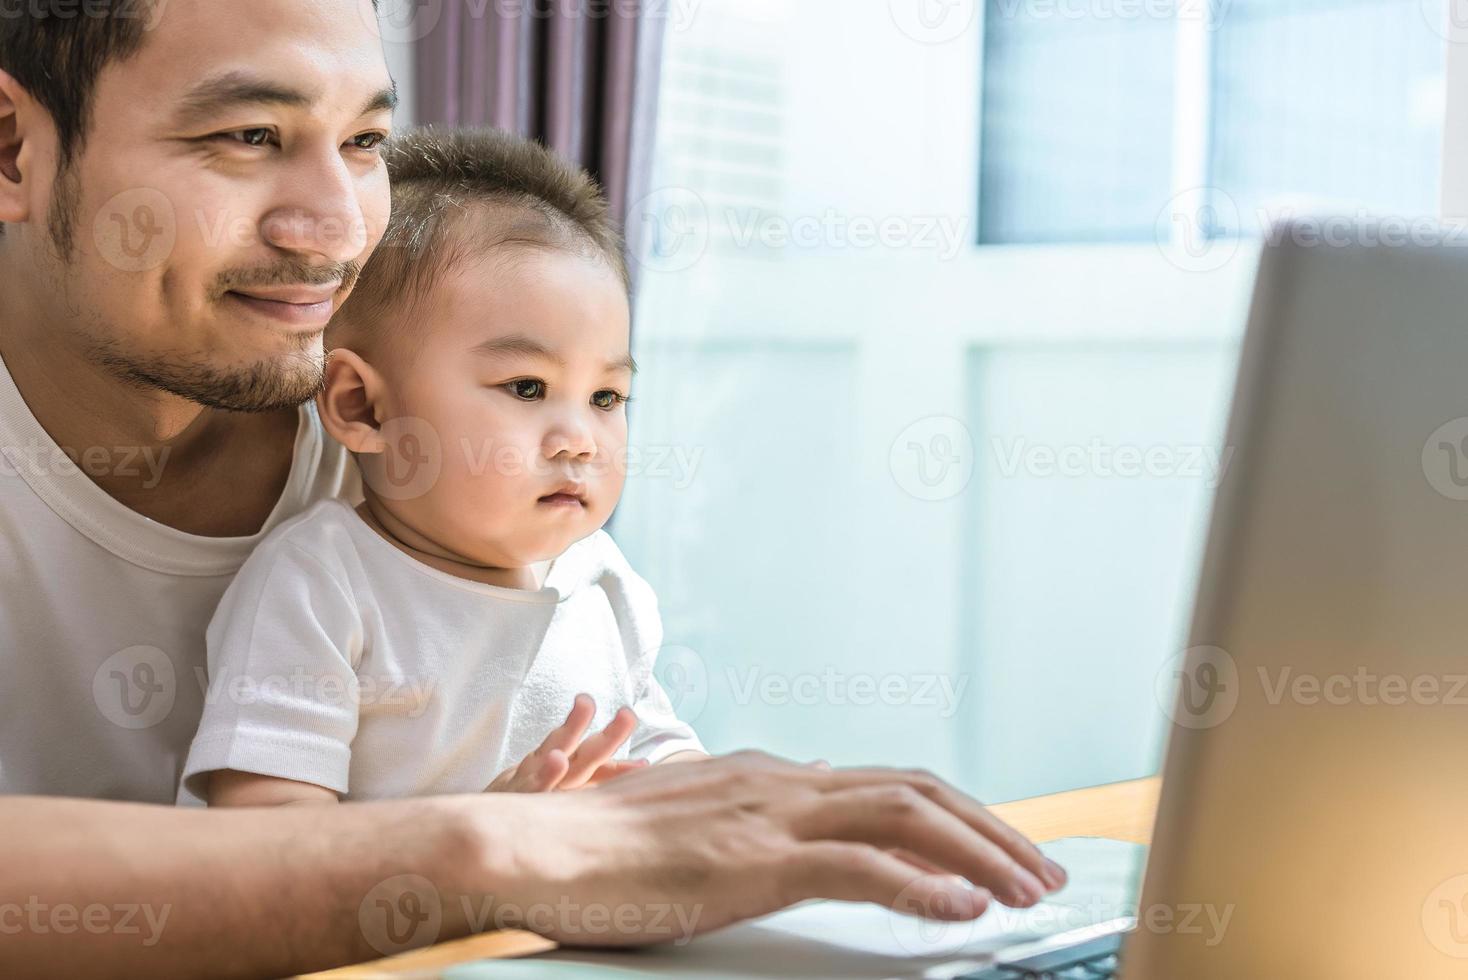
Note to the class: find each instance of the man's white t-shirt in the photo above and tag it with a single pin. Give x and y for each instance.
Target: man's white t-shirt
(337, 659)
(103, 613)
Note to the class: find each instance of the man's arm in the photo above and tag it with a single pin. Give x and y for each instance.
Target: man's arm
(125, 889)
(663, 853)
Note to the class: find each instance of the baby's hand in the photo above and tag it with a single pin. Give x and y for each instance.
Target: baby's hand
(564, 761)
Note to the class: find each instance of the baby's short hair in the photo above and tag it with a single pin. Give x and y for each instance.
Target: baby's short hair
(458, 193)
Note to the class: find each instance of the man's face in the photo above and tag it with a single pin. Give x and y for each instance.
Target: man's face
(229, 189)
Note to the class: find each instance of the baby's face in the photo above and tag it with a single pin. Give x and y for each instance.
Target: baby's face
(522, 369)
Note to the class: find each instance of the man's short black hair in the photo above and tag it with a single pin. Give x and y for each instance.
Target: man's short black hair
(57, 48)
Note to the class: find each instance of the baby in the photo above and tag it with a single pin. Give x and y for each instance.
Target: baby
(433, 639)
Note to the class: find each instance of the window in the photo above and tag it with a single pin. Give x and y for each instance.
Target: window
(1282, 106)
(1077, 125)
(911, 500)
(1326, 105)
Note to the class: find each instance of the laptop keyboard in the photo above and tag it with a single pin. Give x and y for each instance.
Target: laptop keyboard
(1093, 960)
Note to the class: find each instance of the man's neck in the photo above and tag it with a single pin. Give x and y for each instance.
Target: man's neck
(200, 470)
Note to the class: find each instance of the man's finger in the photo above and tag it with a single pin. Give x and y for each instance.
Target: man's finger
(611, 770)
(917, 862)
(967, 809)
(858, 873)
(895, 816)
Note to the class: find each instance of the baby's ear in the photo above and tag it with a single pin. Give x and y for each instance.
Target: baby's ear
(349, 403)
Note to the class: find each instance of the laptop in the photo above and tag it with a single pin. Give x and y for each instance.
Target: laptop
(1315, 794)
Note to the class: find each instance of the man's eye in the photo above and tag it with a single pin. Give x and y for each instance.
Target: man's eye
(249, 137)
(607, 399)
(368, 141)
(527, 389)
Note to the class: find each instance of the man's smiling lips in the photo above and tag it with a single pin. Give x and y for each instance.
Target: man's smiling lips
(303, 307)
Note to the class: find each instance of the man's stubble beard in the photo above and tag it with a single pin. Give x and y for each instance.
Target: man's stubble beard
(265, 386)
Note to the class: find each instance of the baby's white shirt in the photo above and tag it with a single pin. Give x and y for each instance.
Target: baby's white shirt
(339, 660)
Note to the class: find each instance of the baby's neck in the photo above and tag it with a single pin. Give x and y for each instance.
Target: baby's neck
(530, 578)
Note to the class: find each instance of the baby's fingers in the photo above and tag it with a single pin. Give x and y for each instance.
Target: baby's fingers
(537, 774)
(565, 738)
(599, 748)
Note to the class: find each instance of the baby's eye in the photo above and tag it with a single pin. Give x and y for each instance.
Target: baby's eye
(607, 399)
(527, 389)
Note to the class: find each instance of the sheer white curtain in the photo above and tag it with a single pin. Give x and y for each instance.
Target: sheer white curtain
(912, 499)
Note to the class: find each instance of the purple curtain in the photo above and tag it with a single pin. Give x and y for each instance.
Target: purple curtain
(578, 75)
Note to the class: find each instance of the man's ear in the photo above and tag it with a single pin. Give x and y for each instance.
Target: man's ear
(350, 403)
(15, 158)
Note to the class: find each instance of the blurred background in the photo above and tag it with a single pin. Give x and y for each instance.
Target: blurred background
(938, 307)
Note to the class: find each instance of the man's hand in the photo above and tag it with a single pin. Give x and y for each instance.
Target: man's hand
(652, 856)
(564, 761)
(673, 851)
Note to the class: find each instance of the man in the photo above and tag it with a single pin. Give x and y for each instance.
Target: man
(188, 190)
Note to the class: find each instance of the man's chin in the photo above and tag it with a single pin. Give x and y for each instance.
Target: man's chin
(270, 385)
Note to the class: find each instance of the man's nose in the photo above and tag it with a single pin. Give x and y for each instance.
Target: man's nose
(319, 216)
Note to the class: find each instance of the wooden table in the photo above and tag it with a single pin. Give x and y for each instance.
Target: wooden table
(1123, 811)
